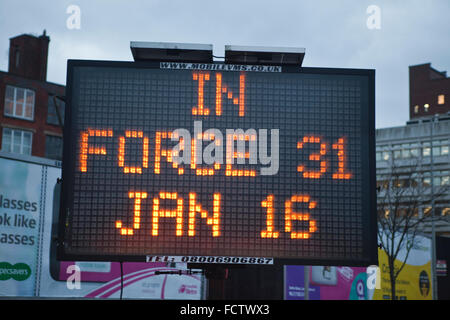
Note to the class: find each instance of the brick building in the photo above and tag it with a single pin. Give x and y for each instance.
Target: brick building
(31, 109)
(429, 91)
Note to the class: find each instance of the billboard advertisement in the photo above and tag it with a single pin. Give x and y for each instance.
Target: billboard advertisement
(356, 283)
(21, 216)
(28, 237)
(414, 281)
(326, 283)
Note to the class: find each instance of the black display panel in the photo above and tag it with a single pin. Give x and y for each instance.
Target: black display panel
(216, 163)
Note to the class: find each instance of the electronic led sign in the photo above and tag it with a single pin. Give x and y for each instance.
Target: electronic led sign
(218, 163)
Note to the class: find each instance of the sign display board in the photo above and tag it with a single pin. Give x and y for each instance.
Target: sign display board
(218, 163)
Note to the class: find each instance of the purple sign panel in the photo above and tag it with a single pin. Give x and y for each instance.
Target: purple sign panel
(326, 283)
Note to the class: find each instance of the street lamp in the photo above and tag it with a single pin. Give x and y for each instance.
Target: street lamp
(433, 228)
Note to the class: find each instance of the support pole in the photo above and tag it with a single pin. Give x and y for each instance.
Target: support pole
(216, 276)
(433, 216)
(306, 276)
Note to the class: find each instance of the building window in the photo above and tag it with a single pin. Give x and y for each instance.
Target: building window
(17, 141)
(445, 212)
(436, 150)
(436, 181)
(440, 148)
(17, 56)
(378, 156)
(445, 178)
(416, 109)
(426, 107)
(19, 103)
(441, 99)
(52, 111)
(415, 151)
(414, 180)
(426, 180)
(397, 151)
(53, 147)
(406, 152)
(444, 148)
(426, 151)
(427, 211)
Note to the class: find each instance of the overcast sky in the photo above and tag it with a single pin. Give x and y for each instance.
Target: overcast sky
(334, 33)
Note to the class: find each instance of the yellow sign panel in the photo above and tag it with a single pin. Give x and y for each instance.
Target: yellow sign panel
(414, 281)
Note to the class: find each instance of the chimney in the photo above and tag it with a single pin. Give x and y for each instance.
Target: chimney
(28, 56)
